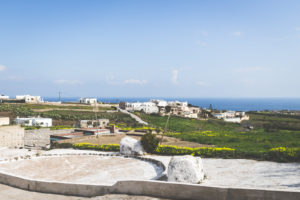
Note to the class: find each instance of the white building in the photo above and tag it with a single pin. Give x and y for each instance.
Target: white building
(147, 107)
(88, 100)
(34, 121)
(178, 103)
(159, 103)
(30, 99)
(232, 116)
(227, 114)
(2, 96)
(4, 121)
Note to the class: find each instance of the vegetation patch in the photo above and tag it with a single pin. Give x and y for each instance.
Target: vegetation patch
(249, 143)
(108, 147)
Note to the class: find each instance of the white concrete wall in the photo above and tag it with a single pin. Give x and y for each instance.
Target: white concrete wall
(4, 121)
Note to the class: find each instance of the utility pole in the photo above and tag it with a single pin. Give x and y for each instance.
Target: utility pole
(166, 126)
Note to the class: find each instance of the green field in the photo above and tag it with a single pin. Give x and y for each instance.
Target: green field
(66, 117)
(270, 131)
(69, 107)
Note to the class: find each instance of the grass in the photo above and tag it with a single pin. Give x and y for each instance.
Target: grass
(269, 132)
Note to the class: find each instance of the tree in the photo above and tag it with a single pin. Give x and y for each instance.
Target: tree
(149, 142)
(168, 109)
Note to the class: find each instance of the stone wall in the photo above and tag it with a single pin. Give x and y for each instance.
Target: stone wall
(11, 136)
(40, 138)
(4, 121)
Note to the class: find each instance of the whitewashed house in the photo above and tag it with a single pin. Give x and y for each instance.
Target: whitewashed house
(159, 103)
(232, 116)
(34, 121)
(147, 107)
(88, 100)
(30, 99)
(2, 96)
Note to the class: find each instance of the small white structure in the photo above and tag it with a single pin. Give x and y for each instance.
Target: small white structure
(131, 147)
(88, 100)
(4, 121)
(93, 123)
(34, 121)
(30, 99)
(232, 116)
(187, 169)
(147, 107)
(2, 96)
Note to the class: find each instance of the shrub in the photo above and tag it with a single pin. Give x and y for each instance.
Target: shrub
(284, 154)
(103, 147)
(61, 145)
(206, 152)
(149, 142)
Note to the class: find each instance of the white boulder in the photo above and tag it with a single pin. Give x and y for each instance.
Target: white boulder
(187, 169)
(130, 147)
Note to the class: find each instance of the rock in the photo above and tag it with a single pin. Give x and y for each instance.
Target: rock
(187, 169)
(130, 147)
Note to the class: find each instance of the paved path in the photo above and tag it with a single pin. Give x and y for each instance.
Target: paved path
(137, 118)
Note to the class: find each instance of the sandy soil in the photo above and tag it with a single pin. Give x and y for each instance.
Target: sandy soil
(91, 169)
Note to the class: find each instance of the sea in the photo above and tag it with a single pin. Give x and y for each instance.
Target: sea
(236, 104)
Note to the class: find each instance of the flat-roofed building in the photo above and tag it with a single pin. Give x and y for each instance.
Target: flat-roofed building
(88, 100)
(2, 96)
(93, 123)
(30, 99)
(34, 121)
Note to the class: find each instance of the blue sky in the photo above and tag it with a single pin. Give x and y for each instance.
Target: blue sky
(150, 48)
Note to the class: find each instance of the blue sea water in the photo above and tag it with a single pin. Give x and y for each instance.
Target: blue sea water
(238, 104)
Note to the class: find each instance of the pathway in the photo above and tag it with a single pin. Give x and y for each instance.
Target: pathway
(137, 118)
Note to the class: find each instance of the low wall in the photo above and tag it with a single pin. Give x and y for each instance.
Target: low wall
(148, 188)
(157, 189)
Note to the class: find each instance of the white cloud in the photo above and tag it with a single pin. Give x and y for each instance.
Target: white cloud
(2, 68)
(236, 33)
(174, 77)
(68, 82)
(201, 43)
(252, 69)
(135, 81)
